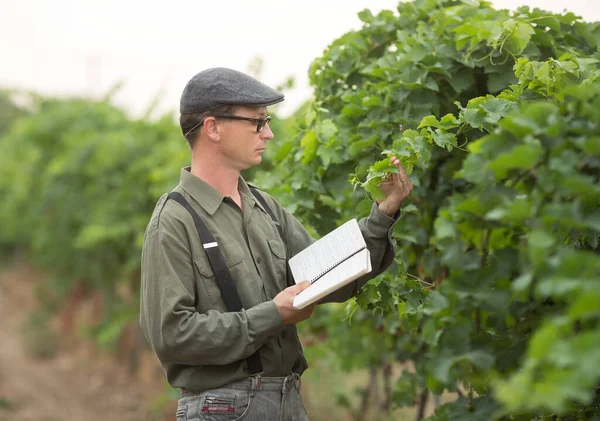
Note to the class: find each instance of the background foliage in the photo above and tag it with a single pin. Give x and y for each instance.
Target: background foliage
(494, 291)
(80, 179)
(491, 296)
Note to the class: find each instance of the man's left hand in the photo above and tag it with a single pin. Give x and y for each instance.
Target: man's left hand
(396, 187)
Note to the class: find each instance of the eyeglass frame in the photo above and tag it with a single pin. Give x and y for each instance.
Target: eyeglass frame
(260, 122)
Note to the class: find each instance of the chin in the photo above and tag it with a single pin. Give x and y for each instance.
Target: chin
(249, 165)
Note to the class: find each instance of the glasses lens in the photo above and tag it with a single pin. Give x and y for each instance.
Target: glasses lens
(262, 122)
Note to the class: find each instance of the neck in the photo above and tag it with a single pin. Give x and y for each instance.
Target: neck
(217, 175)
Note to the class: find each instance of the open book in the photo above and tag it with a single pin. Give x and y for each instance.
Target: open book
(335, 260)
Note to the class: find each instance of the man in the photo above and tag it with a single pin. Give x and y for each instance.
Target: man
(233, 360)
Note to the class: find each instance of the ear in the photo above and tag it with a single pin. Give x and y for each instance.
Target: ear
(211, 129)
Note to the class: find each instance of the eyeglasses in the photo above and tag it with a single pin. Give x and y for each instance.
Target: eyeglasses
(260, 122)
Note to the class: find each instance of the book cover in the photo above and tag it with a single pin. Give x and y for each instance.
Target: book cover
(330, 263)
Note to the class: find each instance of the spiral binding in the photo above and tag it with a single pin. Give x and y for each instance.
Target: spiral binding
(329, 269)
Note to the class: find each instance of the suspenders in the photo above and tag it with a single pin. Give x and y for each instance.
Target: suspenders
(262, 201)
(217, 263)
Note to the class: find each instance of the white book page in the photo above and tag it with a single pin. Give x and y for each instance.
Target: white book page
(351, 269)
(326, 252)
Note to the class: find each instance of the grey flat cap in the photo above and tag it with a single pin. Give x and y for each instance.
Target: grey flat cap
(219, 86)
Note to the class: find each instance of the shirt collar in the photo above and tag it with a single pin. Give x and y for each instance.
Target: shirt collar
(206, 195)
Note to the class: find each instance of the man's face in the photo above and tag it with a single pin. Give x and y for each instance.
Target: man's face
(241, 145)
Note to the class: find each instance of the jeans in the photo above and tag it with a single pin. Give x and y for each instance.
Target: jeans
(251, 399)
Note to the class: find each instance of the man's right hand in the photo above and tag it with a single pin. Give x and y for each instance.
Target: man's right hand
(285, 300)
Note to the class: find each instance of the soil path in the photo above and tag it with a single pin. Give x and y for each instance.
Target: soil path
(76, 384)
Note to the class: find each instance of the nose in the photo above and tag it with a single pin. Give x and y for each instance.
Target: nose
(267, 133)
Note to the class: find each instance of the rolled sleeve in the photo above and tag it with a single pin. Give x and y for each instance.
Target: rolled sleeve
(378, 224)
(265, 321)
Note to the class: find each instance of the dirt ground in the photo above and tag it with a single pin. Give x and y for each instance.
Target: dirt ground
(78, 383)
(82, 383)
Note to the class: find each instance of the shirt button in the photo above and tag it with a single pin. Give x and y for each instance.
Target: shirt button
(258, 260)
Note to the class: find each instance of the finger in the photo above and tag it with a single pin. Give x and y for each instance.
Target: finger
(396, 162)
(401, 171)
(404, 178)
(309, 309)
(298, 288)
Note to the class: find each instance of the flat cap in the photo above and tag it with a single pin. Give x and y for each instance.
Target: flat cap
(213, 88)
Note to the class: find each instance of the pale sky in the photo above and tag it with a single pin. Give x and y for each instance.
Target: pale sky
(84, 47)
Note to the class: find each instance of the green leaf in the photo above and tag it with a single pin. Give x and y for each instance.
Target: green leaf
(474, 117)
(309, 142)
(441, 370)
(310, 116)
(429, 121)
(520, 36)
(359, 145)
(435, 303)
(520, 157)
(587, 305)
(516, 211)
(497, 108)
(354, 110)
(497, 82)
(522, 282)
(543, 340)
(479, 359)
(410, 208)
(431, 334)
(405, 391)
(449, 121)
(519, 125)
(329, 201)
(328, 153)
(590, 145)
(461, 81)
(444, 139)
(444, 229)
(364, 207)
(547, 20)
(372, 101)
(365, 15)
(540, 239)
(374, 191)
(326, 130)
(283, 151)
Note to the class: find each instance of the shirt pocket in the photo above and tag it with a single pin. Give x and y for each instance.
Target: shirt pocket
(234, 258)
(279, 258)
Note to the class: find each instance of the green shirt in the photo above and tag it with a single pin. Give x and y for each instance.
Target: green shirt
(199, 343)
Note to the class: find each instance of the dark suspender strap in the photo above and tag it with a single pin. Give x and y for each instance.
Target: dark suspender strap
(263, 202)
(215, 257)
(222, 275)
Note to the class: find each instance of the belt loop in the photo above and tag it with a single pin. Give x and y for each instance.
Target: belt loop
(285, 380)
(256, 381)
